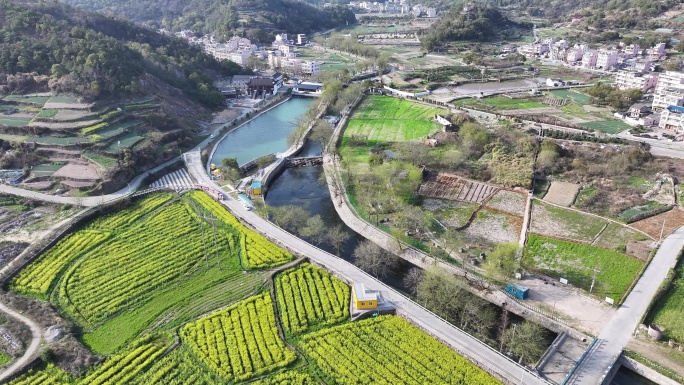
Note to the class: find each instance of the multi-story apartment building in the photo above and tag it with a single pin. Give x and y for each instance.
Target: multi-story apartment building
(669, 91)
(589, 59)
(672, 118)
(311, 67)
(606, 59)
(625, 80)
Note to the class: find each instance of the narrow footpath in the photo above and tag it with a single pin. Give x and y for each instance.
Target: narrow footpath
(29, 354)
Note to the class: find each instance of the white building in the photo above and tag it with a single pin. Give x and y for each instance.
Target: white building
(669, 91)
(311, 68)
(301, 39)
(240, 57)
(626, 80)
(672, 118)
(657, 52)
(574, 55)
(533, 50)
(606, 59)
(589, 59)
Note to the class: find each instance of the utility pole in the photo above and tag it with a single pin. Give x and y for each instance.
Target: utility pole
(593, 279)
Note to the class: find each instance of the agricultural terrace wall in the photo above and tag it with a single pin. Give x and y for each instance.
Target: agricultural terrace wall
(30, 255)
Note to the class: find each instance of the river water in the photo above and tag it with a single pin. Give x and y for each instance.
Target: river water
(266, 134)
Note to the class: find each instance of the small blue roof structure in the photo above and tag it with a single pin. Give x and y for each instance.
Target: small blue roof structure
(677, 109)
(256, 184)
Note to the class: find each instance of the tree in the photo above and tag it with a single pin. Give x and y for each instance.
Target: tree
(502, 261)
(230, 163)
(314, 229)
(374, 260)
(336, 236)
(322, 132)
(439, 291)
(527, 341)
(289, 216)
(412, 279)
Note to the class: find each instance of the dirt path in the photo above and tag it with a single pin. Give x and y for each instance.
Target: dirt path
(37, 336)
(657, 353)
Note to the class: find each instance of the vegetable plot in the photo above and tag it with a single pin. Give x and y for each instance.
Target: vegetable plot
(241, 341)
(389, 350)
(257, 251)
(308, 296)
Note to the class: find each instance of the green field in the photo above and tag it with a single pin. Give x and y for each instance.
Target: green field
(52, 140)
(123, 143)
(576, 97)
(504, 103)
(576, 262)
(40, 100)
(108, 132)
(382, 118)
(47, 113)
(13, 121)
(63, 99)
(668, 311)
(13, 138)
(46, 169)
(100, 159)
(608, 126)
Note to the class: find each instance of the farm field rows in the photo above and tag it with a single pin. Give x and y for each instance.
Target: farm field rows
(576, 262)
(392, 352)
(668, 311)
(562, 223)
(383, 118)
(308, 296)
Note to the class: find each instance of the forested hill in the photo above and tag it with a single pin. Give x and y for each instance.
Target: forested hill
(478, 23)
(95, 57)
(257, 19)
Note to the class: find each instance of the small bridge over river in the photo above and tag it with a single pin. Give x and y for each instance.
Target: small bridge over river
(306, 161)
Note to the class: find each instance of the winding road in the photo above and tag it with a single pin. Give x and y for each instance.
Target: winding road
(29, 354)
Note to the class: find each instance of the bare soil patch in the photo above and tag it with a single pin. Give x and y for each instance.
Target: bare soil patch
(77, 172)
(508, 201)
(666, 222)
(450, 213)
(78, 184)
(449, 186)
(226, 115)
(65, 125)
(73, 106)
(562, 193)
(9, 250)
(495, 227)
(66, 115)
(625, 240)
(561, 223)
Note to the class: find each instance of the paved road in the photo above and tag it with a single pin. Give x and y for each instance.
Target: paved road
(616, 334)
(85, 201)
(463, 343)
(36, 337)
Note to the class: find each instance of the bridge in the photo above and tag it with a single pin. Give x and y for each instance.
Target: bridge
(306, 161)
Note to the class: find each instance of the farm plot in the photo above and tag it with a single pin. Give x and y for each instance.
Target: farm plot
(668, 310)
(28, 99)
(241, 341)
(576, 262)
(450, 213)
(562, 193)
(14, 121)
(77, 171)
(58, 141)
(666, 223)
(392, 351)
(608, 126)
(575, 96)
(308, 296)
(178, 367)
(509, 202)
(504, 103)
(46, 169)
(562, 223)
(123, 143)
(257, 252)
(102, 160)
(623, 239)
(495, 227)
(447, 186)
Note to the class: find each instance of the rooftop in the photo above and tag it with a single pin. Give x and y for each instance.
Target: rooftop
(362, 295)
(677, 109)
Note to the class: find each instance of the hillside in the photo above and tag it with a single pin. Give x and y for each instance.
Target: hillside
(256, 19)
(125, 95)
(474, 23)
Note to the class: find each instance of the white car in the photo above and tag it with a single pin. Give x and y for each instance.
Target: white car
(212, 136)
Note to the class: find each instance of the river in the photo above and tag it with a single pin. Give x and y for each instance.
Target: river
(266, 134)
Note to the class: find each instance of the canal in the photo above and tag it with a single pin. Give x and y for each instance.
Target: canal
(266, 134)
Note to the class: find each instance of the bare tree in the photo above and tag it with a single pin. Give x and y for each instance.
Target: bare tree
(412, 279)
(314, 229)
(374, 260)
(527, 340)
(335, 237)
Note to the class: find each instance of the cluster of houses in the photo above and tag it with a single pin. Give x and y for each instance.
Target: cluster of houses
(393, 6)
(281, 55)
(263, 86)
(632, 55)
(667, 108)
